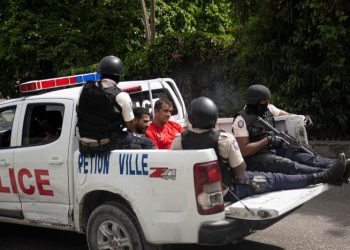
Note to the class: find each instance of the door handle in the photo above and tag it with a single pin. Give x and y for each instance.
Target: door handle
(55, 161)
(4, 163)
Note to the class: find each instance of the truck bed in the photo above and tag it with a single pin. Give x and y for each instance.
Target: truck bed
(274, 204)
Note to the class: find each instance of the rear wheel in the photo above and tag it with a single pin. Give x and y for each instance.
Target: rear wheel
(112, 227)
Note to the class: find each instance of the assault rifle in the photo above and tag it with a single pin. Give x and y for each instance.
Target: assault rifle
(293, 144)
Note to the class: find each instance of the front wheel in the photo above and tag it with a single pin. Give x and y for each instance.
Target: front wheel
(113, 227)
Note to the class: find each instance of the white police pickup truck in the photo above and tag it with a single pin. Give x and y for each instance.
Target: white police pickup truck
(131, 199)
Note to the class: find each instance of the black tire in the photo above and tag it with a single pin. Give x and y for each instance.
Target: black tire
(113, 225)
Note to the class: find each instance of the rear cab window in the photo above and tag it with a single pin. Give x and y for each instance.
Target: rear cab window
(142, 99)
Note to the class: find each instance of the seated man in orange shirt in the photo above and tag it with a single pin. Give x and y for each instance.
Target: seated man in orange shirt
(162, 131)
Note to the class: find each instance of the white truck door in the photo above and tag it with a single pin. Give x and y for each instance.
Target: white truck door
(42, 159)
(10, 205)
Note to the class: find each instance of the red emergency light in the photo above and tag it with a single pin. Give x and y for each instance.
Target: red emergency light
(132, 89)
(61, 82)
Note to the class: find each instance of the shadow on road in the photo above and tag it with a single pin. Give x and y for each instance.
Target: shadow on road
(242, 245)
(18, 237)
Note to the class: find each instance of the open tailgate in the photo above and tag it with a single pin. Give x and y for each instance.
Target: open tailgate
(274, 204)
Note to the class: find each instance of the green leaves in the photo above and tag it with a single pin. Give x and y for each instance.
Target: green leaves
(52, 38)
(173, 49)
(300, 49)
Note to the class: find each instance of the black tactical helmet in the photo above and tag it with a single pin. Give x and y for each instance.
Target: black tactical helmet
(203, 113)
(110, 65)
(256, 93)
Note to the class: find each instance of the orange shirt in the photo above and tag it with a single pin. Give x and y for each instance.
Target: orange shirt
(163, 137)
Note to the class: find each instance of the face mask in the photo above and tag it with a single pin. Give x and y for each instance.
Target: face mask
(262, 108)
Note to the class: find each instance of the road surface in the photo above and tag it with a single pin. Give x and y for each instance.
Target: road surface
(322, 223)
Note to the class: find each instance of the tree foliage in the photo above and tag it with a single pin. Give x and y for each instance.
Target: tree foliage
(48, 38)
(175, 49)
(300, 49)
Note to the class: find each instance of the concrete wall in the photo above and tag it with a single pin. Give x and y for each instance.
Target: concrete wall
(205, 79)
(331, 148)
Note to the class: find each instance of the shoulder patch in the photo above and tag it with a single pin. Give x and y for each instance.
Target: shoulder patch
(240, 124)
(234, 146)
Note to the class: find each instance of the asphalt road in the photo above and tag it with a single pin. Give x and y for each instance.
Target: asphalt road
(323, 223)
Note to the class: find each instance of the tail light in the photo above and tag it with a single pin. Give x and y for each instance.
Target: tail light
(208, 188)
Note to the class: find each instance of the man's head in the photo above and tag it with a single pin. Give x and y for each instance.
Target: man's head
(257, 93)
(162, 112)
(142, 119)
(257, 98)
(111, 67)
(203, 113)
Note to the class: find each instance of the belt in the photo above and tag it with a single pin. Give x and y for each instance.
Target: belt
(93, 144)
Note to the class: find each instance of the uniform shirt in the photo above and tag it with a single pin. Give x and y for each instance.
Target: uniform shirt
(124, 101)
(239, 126)
(163, 137)
(227, 146)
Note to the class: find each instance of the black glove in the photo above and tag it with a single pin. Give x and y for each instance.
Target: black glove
(275, 141)
(308, 122)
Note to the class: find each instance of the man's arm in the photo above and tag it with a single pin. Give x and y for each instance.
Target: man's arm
(277, 111)
(282, 112)
(240, 131)
(124, 101)
(229, 149)
(250, 148)
(238, 171)
(176, 145)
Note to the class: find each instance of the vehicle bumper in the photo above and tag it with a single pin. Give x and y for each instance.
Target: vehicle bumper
(223, 231)
(231, 230)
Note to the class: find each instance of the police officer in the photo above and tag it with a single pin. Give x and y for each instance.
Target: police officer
(203, 115)
(104, 110)
(267, 152)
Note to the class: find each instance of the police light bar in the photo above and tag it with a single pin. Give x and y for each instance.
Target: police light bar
(59, 82)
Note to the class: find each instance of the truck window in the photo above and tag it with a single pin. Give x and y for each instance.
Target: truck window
(6, 121)
(43, 124)
(141, 99)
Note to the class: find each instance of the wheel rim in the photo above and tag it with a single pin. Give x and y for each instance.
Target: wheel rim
(112, 235)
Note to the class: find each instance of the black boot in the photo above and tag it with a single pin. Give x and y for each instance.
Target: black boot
(347, 171)
(333, 175)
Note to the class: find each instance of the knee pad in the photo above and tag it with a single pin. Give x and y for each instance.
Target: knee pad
(259, 183)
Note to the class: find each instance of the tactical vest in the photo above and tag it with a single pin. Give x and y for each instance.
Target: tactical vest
(256, 130)
(191, 140)
(97, 117)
